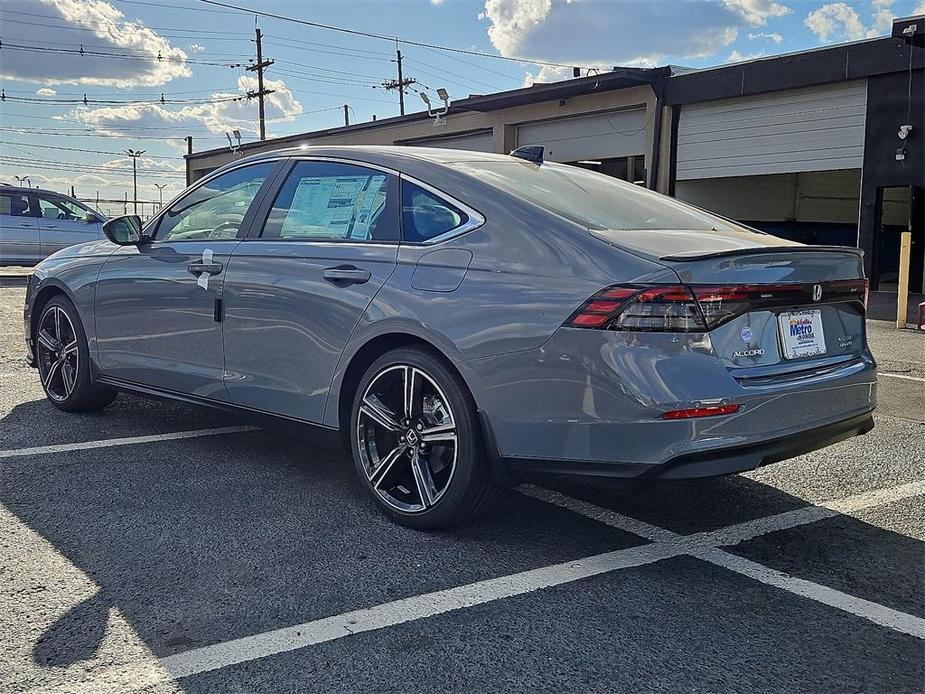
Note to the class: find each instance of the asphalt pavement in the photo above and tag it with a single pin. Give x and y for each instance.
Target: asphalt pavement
(163, 548)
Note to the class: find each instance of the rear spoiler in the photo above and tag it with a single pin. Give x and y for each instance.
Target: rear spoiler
(759, 250)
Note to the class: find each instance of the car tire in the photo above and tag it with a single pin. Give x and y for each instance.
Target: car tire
(63, 359)
(423, 465)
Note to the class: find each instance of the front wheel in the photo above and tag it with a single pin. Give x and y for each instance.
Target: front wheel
(64, 360)
(416, 443)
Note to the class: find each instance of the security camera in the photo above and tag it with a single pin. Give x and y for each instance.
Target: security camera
(425, 98)
(442, 93)
(904, 131)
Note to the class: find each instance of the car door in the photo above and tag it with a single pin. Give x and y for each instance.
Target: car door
(327, 242)
(20, 242)
(158, 304)
(63, 224)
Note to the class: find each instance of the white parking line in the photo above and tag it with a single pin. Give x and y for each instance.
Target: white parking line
(665, 544)
(705, 546)
(128, 441)
(902, 376)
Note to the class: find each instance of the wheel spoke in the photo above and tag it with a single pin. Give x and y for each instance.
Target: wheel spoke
(412, 387)
(441, 432)
(67, 376)
(423, 479)
(47, 341)
(70, 348)
(57, 314)
(385, 465)
(373, 408)
(51, 374)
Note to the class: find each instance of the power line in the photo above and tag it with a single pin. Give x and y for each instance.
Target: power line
(86, 101)
(94, 151)
(118, 56)
(381, 37)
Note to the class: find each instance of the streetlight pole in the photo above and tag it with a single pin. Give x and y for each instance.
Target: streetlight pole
(160, 192)
(134, 154)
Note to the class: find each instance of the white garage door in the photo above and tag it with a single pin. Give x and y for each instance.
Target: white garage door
(482, 141)
(814, 129)
(601, 136)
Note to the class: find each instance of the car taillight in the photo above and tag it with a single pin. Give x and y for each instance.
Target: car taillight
(661, 308)
(699, 308)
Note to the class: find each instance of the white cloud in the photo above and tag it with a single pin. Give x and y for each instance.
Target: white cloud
(618, 33)
(920, 9)
(737, 57)
(45, 91)
(219, 116)
(757, 12)
(110, 32)
(839, 21)
(436, 2)
(197, 47)
(770, 36)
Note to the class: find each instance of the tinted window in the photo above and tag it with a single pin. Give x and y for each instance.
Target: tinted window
(15, 204)
(214, 210)
(58, 208)
(594, 200)
(426, 216)
(332, 201)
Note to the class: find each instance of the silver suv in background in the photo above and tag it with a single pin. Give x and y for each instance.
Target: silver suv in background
(35, 223)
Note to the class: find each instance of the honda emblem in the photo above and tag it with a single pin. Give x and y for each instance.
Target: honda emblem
(817, 292)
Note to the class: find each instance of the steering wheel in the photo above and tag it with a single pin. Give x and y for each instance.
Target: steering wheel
(216, 232)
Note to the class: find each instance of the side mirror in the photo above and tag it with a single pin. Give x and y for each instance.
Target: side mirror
(125, 230)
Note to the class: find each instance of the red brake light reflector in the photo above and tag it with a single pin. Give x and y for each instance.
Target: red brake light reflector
(694, 412)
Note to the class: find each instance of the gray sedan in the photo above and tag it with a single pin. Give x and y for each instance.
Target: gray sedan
(462, 321)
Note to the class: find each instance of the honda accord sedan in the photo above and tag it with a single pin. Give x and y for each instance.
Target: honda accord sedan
(463, 321)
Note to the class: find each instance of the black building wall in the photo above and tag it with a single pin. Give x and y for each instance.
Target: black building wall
(888, 107)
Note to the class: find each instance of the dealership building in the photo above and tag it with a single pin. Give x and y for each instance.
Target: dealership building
(806, 145)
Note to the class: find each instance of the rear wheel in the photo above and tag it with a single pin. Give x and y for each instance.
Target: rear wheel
(416, 443)
(64, 361)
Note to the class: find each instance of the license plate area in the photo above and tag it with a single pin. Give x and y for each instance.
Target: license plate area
(801, 334)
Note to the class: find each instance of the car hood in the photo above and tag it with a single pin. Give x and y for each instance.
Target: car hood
(656, 244)
(81, 250)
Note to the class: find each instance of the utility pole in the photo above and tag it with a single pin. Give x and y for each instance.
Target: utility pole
(346, 115)
(261, 92)
(134, 154)
(400, 83)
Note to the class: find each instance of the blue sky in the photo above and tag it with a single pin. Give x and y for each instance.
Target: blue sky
(193, 53)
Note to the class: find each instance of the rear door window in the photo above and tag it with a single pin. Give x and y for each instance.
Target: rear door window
(333, 201)
(425, 216)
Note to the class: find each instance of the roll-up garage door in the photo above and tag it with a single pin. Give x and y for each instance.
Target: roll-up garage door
(482, 141)
(601, 136)
(814, 129)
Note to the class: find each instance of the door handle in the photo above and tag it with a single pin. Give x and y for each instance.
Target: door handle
(51, 226)
(346, 274)
(199, 268)
(24, 224)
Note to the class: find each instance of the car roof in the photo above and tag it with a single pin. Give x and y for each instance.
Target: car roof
(23, 189)
(383, 155)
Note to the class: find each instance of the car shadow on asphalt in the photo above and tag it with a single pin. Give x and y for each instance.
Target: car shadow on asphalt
(204, 540)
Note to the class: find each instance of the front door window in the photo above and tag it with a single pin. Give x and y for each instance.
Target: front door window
(214, 210)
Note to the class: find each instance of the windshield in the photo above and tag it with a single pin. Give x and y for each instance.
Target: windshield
(592, 199)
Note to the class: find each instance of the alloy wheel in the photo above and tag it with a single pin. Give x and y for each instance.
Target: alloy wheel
(407, 438)
(56, 347)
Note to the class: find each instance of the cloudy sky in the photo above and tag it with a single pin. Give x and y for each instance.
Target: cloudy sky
(84, 80)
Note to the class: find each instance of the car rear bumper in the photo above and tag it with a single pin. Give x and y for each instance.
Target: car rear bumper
(710, 463)
(593, 403)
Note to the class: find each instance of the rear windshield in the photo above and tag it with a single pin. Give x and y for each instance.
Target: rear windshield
(592, 199)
